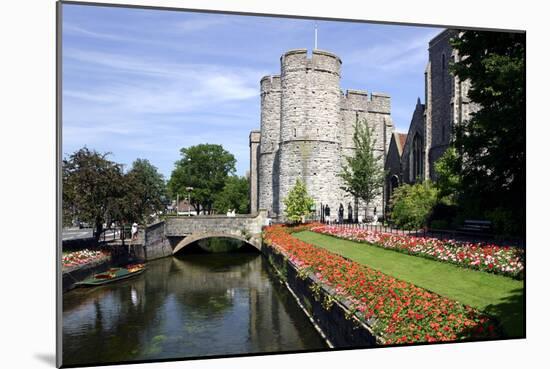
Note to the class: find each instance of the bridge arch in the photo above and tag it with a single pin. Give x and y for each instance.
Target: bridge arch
(201, 236)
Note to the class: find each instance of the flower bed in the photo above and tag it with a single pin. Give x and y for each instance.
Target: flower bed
(397, 311)
(77, 259)
(505, 260)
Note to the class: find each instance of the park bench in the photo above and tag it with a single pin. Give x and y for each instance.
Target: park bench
(475, 228)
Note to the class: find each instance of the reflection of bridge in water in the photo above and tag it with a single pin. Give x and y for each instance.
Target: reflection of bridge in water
(186, 306)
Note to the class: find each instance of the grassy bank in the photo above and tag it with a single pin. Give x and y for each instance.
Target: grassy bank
(499, 296)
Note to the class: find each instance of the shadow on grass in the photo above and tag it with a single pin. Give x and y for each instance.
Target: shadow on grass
(510, 313)
(506, 320)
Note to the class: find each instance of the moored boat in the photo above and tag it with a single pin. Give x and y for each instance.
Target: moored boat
(112, 275)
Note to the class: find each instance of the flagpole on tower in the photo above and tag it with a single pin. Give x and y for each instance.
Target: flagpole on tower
(315, 35)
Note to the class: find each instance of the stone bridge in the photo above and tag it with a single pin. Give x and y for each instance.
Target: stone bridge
(176, 232)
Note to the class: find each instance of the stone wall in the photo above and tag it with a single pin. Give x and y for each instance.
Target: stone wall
(315, 122)
(270, 123)
(335, 322)
(442, 91)
(310, 148)
(254, 144)
(392, 167)
(183, 226)
(416, 128)
(155, 244)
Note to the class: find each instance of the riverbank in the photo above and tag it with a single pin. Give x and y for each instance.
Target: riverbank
(79, 273)
(394, 310)
(498, 296)
(187, 306)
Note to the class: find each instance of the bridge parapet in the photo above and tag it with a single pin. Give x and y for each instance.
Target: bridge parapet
(182, 231)
(178, 226)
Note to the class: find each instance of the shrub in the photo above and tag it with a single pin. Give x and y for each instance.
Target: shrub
(413, 204)
(504, 222)
(442, 216)
(298, 203)
(439, 224)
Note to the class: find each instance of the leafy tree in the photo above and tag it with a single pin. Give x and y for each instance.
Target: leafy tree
(205, 168)
(492, 143)
(363, 174)
(233, 196)
(449, 181)
(411, 205)
(298, 203)
(92, 187)
(145, 192)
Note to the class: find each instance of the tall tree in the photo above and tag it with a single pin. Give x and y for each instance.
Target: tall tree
(363, 174)
(205, 168)
(492, 143)
(234, 195)
(92, 185)
(448, 176)
(145, 191)
(298, 203)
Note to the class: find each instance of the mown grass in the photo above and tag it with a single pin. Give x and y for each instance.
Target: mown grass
(499, 296)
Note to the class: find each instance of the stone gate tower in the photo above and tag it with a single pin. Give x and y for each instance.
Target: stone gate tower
(307, 125)
(310, 121)
(270, 121)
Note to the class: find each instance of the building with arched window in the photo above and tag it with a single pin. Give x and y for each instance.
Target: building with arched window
(414, 148)
(432, 123)
(392, 165)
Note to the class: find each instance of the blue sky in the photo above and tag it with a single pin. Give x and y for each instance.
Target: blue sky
(145, 83)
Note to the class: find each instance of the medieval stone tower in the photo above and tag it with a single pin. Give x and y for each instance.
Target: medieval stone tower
(306, 130)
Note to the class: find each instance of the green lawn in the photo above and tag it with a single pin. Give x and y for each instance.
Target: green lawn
(499, 296)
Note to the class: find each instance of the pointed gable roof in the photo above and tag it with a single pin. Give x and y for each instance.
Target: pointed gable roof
(400, 139)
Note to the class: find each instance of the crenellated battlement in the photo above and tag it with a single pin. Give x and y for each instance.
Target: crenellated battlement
(270, 83)
(320, 60)
(380, 103)
(355, 100)
(307, 128)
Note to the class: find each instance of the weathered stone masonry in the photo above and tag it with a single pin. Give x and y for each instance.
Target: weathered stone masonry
(307, 126)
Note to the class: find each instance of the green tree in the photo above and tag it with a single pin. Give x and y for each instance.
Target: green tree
(298, 203)
(411, 205)
(234, 195)
(449, 181)
(363, 174)
(92, 187)
(492, 143)
(145, 192)
(205, 168)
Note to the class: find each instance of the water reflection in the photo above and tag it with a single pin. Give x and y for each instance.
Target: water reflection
(188, 306)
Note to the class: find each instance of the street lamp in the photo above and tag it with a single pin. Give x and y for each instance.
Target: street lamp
(189, 189)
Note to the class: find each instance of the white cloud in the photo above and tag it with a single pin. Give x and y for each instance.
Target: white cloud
(394, 55)
(199, 24)
(145, 85)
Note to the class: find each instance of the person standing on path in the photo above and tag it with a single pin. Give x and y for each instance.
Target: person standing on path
(134, 231)
(134, 236)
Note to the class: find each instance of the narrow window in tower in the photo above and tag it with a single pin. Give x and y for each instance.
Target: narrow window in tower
(294, 132)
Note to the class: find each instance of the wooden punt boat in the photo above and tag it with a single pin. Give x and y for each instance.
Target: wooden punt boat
(112, 275)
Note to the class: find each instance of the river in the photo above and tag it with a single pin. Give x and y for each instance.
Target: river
(193, 305)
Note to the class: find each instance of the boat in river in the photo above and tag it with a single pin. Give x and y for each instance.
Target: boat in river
(112, 275)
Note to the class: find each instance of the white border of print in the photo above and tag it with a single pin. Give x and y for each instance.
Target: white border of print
(28, 192)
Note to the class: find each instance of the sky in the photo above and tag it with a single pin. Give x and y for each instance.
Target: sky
(142, 83)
